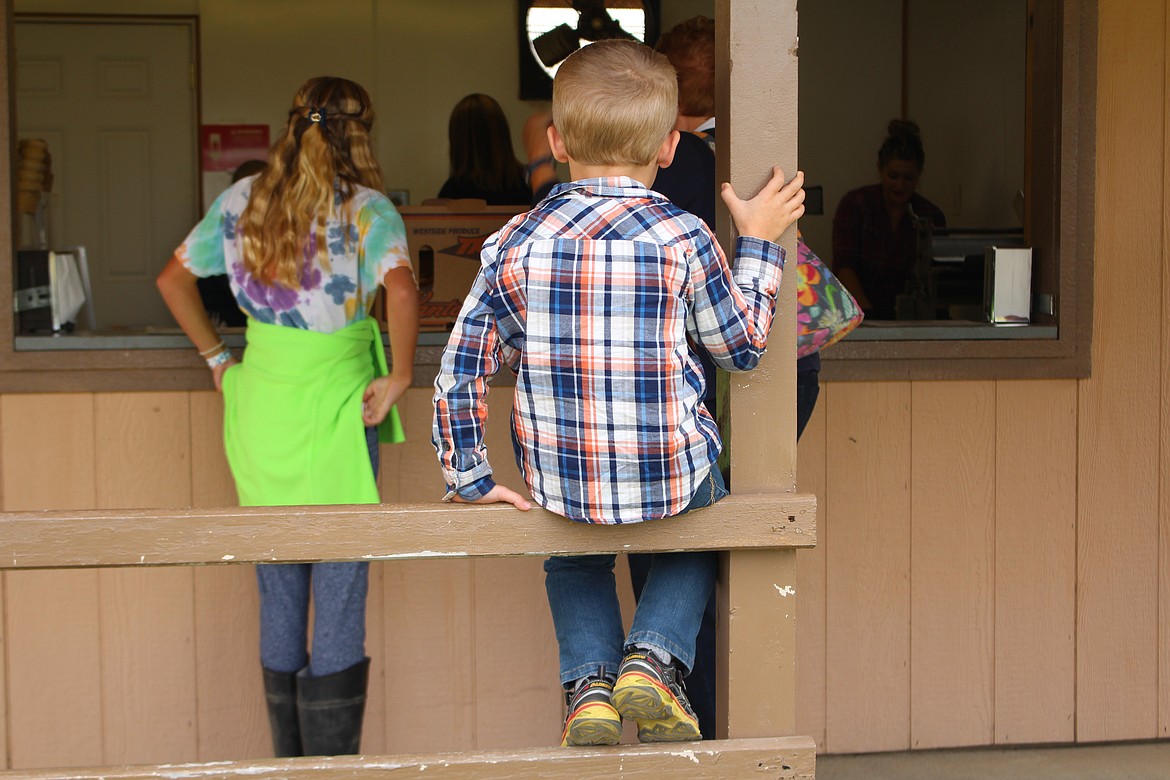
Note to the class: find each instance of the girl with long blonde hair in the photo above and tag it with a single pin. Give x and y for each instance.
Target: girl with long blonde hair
(306, 244)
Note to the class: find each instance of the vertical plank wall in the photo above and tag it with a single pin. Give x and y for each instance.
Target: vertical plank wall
(1118, 469)
(996, 555)
(146, 618)
(51, 619)
(160, 665)
(994, 560)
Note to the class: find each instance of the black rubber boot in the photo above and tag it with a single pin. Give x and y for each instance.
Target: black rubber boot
(280, 690)
(331, 710)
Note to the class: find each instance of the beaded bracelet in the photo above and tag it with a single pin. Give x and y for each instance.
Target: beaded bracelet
(219, 359)
(210, 350)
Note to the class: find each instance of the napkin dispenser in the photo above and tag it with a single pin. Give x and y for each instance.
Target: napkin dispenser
(1007, 288)
(51, 289)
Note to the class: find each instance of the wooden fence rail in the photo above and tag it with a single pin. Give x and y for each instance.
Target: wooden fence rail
(171, 537)
(759, 531)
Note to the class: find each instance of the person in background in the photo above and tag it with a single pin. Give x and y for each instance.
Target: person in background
(306, 244)
(689, 182)
(483, 162)
(595, 298)
(874, 235)
(216, 291)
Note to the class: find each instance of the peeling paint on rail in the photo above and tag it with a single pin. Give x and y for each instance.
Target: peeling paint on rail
(419, 554)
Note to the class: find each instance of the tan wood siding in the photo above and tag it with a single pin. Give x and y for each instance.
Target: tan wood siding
(52, 618)
(430, 677)
(952, 554)
(55, 681)
(231, 718)
(1117, 470)
(147, 619)
(1035, 561)
(867, 491)
(514, 671)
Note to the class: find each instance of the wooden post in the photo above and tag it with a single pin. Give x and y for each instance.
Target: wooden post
(756, 89)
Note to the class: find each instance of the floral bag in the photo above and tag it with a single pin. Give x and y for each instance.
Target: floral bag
(825, 311)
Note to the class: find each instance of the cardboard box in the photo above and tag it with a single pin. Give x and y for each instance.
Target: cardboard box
(444, 241)
(1007, 288)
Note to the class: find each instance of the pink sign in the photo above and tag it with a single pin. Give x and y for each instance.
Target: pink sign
(226, 146)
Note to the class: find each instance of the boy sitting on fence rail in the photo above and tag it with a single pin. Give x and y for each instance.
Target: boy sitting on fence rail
(593, 299)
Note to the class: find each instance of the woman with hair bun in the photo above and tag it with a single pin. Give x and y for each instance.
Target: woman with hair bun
(306, 244)
(874, 237)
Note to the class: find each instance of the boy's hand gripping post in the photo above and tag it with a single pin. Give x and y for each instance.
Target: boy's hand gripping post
(776, 207)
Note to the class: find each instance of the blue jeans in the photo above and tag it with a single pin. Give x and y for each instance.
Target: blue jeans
(339, 617)
(582, 595)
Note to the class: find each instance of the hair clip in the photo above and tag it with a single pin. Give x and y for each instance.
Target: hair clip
(317, 116)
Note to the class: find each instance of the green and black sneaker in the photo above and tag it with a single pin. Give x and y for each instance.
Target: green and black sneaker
(591, 718)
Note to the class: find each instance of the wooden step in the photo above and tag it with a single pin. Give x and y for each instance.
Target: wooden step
(778, 758)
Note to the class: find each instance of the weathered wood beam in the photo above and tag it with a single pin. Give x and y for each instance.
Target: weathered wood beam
(756, 94)
(169, 537)
(782, 758)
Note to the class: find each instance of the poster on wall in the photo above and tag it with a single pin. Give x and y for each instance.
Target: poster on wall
(223, 149)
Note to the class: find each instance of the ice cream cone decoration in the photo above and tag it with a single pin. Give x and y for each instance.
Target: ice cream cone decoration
(34, 174)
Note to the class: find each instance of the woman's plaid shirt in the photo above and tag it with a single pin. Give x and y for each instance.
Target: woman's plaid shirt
(594, 299)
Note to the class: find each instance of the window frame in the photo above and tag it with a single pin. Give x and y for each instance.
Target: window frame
(79, 369)
(1060, 180)
(1060, 176)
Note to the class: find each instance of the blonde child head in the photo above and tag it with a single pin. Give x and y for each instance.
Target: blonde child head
(614, 102)
(325, 141)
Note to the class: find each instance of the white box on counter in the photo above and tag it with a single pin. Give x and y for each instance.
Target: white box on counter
(1007, 288)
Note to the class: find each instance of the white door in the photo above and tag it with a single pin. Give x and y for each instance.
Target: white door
(116, 104)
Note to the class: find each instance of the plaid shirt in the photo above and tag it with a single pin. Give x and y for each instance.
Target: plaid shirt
(591, 298)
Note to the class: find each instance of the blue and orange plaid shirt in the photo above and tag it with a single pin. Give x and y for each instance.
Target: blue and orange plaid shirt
(593, 299)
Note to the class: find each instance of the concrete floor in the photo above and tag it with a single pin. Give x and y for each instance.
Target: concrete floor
(1129, 761)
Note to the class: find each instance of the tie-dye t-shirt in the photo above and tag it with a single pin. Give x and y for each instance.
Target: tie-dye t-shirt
(333, 294)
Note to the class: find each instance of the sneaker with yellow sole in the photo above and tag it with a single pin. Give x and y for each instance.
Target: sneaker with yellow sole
(651, 693)
(591, 718)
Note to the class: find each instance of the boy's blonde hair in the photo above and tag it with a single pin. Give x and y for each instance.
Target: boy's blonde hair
(614, 102)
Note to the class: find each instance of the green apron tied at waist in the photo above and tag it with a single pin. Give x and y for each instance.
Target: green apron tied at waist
(292, 423)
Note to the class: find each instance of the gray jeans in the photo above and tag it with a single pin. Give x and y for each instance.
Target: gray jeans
(339, 618)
